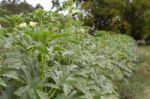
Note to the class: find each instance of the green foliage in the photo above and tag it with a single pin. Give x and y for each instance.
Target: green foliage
(3, 12)
(10, 21)
(57, 58)
(137, 12)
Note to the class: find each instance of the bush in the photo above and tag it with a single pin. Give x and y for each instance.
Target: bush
(62, 60)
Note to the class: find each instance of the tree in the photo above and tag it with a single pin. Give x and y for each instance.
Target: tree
(103, 14)
(39, 6)
(137, 15)
(17, 6)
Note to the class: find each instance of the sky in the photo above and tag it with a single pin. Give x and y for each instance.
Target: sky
(45, 3)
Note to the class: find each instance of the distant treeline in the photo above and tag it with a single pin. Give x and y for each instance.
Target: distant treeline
(9, 7)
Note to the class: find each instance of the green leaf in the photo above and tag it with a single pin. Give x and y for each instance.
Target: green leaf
(2, 83)
(43, 95)
(21, 91)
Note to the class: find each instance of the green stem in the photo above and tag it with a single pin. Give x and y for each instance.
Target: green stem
(42, 68)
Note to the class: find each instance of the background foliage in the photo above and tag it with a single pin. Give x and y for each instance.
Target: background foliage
(122, 16)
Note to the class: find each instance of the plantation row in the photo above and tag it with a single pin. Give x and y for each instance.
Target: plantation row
(46, 55)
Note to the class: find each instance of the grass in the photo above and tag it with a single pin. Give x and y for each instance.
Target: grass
(139, 85)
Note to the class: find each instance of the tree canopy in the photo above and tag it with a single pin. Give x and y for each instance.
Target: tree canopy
(17, 6)
(125, 16)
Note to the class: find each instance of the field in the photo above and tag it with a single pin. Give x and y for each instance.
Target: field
(56, 57)
(78, 49)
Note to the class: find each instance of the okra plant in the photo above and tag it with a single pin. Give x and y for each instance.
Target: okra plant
(57, 58)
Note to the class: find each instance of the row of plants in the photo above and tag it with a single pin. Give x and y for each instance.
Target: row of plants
(47, 55)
